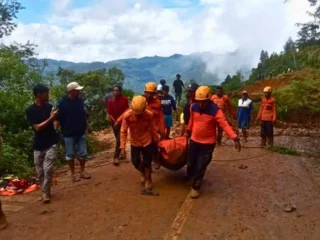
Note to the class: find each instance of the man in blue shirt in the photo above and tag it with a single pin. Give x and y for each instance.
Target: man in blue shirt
(72, 117)
(245, 112)
(168, 104)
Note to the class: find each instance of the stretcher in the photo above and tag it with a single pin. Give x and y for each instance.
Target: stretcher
(173, 153)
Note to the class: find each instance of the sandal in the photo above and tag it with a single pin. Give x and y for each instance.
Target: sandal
(149, 193)
(85, 175)
(75, 178)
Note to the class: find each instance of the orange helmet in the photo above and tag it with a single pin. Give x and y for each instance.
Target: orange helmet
(203, 93)
(138, 104)
(150, 87)
(267, 90)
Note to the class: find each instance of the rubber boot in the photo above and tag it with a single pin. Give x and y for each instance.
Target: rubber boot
(263, 142)
(142, 175)
(148, 183)
(219, 138)
(194, 194)
(3, 220)
(270, 141)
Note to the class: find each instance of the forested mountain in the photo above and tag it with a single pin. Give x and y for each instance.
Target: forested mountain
(206, 68)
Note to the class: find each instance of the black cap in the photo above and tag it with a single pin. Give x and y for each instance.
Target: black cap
(193, 87)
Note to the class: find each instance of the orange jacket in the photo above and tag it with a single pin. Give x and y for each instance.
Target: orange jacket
(142, 129)
(203, 124)
(268, 111)
(155, 107)
(224, 104)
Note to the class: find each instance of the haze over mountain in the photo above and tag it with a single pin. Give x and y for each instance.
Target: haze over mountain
(205, 68)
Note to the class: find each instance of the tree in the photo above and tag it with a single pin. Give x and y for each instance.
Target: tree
(289, 46)
(228, 79)
(116, 76)
(309, 33)
(264, 56)
(8, 13)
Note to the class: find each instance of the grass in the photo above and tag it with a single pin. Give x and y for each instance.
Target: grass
(284, 150)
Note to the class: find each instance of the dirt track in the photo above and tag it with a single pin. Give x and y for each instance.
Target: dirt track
(236, 203)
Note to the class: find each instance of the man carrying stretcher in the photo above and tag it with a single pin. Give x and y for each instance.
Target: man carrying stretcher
(204, 118)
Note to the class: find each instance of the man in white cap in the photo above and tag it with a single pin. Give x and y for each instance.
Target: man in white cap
(73, 121)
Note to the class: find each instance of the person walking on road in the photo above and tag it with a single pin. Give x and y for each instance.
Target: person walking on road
(245, 114)
(154, 106)
(73, 122)
(159, 92)
(205, 115)
(168, 104)
(116, 107)
(177, 87)
(192, 88)
(268, 116)
(143, 133)
(223, 102)
(41, 116)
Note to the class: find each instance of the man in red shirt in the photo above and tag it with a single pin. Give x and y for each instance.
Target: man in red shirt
(268, 116)
(204, 118)
(117, 105)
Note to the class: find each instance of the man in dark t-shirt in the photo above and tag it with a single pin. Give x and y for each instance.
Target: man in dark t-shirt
(40, 115)
(177, 86)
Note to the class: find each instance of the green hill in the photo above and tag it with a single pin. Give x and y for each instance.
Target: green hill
(139, 71)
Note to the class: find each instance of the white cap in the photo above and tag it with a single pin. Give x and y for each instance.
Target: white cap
(74, 86)
(159, 87)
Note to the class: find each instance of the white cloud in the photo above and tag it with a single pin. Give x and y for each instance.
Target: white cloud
(61, 5)
(110, 30)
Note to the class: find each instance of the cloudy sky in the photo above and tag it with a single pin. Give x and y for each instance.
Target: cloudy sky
(104, 30)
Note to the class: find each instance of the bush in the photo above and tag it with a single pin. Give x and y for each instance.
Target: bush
(298, 98)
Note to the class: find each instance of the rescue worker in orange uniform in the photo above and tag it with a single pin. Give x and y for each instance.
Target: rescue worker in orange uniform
(223, 102)
(154, 106)
(204, 118)
(268, 116)
(140, 122)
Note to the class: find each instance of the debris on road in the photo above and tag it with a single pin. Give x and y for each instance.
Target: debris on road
(289, 208)
(45, 212)
(243, 166)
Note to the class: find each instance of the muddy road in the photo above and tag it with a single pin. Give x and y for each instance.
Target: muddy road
(243, 197)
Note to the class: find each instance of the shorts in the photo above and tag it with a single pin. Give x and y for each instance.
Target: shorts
(243, 124)
(76, 146)
(168, 120)
(266, 129)
(147, 153)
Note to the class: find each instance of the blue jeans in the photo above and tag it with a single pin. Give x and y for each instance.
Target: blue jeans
(168, 120)
(76, 145)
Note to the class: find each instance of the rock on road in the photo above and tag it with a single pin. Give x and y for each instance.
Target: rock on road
(243, 197)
